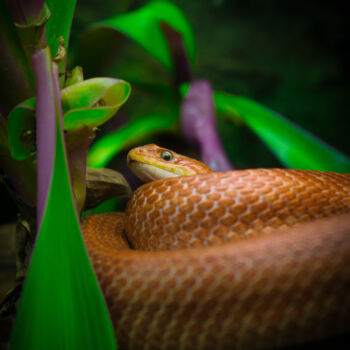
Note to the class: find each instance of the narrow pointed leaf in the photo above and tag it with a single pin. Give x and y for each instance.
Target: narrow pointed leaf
(61, 306)
(107, 147)
(293, 146)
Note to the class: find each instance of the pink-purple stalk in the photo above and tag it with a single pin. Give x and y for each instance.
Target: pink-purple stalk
(47, 106)
(198, 124)
(182, 65)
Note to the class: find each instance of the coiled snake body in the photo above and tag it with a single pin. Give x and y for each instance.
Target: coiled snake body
(289, 283)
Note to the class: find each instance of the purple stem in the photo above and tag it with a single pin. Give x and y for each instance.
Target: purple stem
(198, 125)
(182, 65)
(46, 126)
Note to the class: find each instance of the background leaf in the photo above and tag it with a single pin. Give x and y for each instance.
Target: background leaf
(144, 27)
(60, 22)
(59, 25)
(294, 147)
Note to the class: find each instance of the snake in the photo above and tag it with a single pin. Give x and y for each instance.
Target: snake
(243, 259)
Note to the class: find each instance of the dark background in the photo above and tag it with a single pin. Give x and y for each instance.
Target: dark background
(289, 56)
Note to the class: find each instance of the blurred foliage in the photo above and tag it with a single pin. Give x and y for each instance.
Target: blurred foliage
(288, 57)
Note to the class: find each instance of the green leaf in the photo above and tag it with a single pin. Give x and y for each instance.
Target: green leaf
(21, 130)
(59, 23)
(103, 150)
(92, 102)
(293, 146)
(89, 103)
(61, 306)
(75, 76)
(144, 27)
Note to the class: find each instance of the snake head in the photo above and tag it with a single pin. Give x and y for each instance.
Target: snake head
(151, 162)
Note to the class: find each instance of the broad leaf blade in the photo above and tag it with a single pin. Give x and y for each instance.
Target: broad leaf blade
(293, 146)
(61, 305)
(144, 27)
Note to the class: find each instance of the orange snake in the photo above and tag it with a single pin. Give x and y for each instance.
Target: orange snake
(288, 286)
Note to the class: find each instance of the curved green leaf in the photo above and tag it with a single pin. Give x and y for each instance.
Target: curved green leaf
(21, 130)
(144, 27)
(61, 306)
(89, 103)
(103, 150)
(22, 175)
(293, 146)
(92, 102)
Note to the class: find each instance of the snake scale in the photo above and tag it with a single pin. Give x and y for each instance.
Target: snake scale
(247, 259)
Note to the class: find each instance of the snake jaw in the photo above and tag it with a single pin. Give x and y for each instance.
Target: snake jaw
(148, 172)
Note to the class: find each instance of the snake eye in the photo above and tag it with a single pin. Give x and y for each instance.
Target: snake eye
(166, 155)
